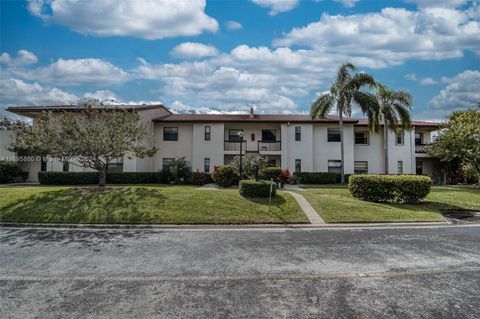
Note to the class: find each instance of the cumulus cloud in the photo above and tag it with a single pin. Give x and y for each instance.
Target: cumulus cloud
(17, 92)
(234, 25)
(391, 36)
(193, 50)
(462, 91)
(103, 96)
(277, 6)
(23, 57)
(75, 72)
(423, 81)
(428, 81)
(152, 19)
(348, 3)
(438, 3)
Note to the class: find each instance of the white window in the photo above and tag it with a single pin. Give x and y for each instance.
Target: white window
(206, 165)
(333, 134)
(360, 167)
(335, 166)
(400, 167)
(298, 165)
(399, 138)
(166, 162)
(361, 138)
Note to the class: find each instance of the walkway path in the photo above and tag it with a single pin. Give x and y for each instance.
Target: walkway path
(311, 213)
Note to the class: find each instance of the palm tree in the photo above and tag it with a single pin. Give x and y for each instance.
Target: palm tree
(345, 93)
(395, 107)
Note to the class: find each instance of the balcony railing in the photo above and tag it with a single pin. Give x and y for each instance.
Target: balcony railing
(421, 148)
(269, 146)
(234, 146)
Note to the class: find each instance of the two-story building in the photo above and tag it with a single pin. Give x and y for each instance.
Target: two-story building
(295, 142)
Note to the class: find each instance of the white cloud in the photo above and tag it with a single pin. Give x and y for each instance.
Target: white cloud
(348, 3)
(462, 91)
(104, 96)
(276, 6)
(234, 25)
(428, 81)
(23, 57)
(193, 50)
(17, 92)
(75, 72)
(411, 77)
(148, 19)
(391, 36)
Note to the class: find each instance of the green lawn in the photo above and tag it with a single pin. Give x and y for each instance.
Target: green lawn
(143, 204)
(336, 205)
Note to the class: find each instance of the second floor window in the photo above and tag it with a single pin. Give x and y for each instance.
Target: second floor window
(233, 135)
(399, 138)
(170, 133)
(269, 135)
(418, 138)
(361, 138)
(208, 130)
(333, 134)
(298, 133)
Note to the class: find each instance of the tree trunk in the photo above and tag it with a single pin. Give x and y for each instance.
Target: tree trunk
(102, 177)
(342, 173)
(385, 145)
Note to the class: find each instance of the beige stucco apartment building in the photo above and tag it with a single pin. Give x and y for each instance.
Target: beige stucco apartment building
(294, 142)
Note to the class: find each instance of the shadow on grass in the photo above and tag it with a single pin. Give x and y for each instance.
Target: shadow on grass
(81, 205)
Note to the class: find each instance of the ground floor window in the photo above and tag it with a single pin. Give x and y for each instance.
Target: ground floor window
(298, 165)
(419, 168)
(335, 166)
(206, 165)
(115, 165)
(360, 167)
(66, 166)
(167, 162)
(43, 165)
(400, 167)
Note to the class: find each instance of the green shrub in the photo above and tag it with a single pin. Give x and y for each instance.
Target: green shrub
(389, 188)
(180, 171)
(165, 177)
(271, 172)
(225, 175)
(250, 188)
(316, 178)
(11, 173)
(199, 178)
(88, 178)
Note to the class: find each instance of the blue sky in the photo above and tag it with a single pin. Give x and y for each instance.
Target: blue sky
(224, 56)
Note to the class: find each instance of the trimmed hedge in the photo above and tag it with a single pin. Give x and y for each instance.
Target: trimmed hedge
(316, 178)
(225, 175)
(250, 188)
(87, 178)
(11, 173)
(271, 172)
(390, 188)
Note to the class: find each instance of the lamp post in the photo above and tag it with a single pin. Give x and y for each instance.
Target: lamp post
(240, 134)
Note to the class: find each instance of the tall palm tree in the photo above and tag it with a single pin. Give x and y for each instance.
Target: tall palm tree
(395, 107)
(345, 93)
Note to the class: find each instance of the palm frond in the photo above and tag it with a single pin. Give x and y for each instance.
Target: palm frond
(322, 106)
(368, 103)
(359, 81)
(343, 72)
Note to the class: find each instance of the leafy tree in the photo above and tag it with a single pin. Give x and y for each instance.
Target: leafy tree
(459, 139)
(250, 161)
(345, 93)
(395, 107)
(180, 170)
(92, 137)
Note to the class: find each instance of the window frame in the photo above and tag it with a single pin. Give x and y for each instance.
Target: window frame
(331, 134)
(366, 136)
(402, 132)
(274, 134)
(366, 167)
(236, 138)
(207, 133)
(400, 167)
(66, 166)
(334, 161)
(298, 165)
(420, 134)
(169, 139)
(206, 168)
(298, 134)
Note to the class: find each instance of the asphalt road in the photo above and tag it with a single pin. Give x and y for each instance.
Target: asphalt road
(272, 273)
